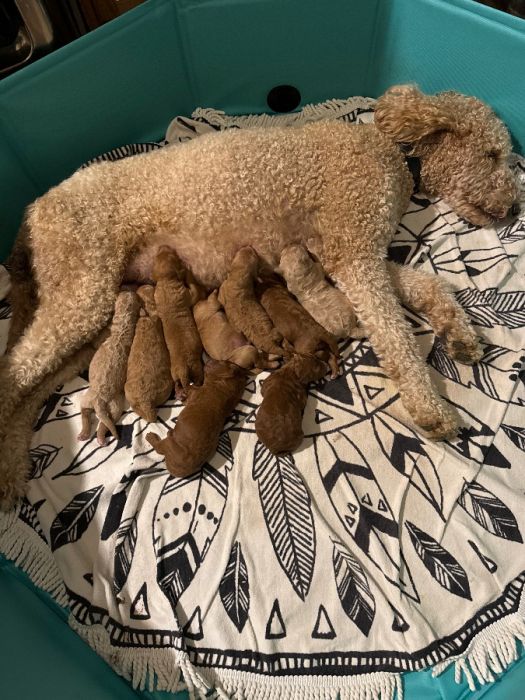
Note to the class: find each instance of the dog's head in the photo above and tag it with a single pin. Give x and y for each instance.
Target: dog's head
(462, 145)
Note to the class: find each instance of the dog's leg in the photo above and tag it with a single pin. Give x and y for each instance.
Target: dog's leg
(15, 465)
(369, 288)
(60, 327)
(422, 291)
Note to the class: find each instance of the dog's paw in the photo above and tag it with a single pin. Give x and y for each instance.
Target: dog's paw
(434, 417)
(444, 428)
(463, 345)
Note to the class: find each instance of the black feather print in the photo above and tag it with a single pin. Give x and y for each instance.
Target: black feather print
(234, 588)
(353, 588)
(118, 500)
(490, 307)
(516, 434)
(441, 361)
(124, 551)
(287, 510)
(42, 457)
(182, 541)
(489, 512)
(73, 520)
(442, 566)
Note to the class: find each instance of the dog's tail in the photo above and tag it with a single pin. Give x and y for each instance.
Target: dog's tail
(104, 415)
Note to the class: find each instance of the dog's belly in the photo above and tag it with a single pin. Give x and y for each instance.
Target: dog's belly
(210, 259)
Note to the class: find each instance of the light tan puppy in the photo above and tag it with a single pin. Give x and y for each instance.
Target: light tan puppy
(307, 281)
(107, 371)
(149, 383)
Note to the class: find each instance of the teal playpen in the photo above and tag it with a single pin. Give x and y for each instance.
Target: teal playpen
(124, 83)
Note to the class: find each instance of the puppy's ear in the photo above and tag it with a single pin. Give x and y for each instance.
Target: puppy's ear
(408, 116)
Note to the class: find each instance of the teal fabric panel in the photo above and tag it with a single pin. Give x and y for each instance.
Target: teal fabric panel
(41, 658)
(120, 84)
(237, 50)
(454, 44)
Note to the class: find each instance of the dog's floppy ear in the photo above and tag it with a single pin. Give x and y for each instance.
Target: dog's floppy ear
(408, 116)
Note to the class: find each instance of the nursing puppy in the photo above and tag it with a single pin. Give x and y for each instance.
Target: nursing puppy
(237, 295)
(149, 383)
(221, 341)
(278, 422)
(295, 324)
(173, 301)
(307, 281)
(194, 438)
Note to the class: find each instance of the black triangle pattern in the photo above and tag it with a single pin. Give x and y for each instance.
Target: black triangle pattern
(323, 628)
(275, 627)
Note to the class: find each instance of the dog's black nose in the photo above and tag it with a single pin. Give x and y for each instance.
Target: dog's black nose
(515, 209)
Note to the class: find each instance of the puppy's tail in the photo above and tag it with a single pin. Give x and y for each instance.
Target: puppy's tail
(104, 415)
(147, 412)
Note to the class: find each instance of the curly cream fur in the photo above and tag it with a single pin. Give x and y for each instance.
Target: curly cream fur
(338, 189)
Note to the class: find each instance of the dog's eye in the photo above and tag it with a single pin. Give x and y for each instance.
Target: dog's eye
(493, 155)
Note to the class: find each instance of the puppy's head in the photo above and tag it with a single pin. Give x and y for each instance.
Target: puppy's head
(246, 259)
(463, 147)
(309, 369)
(168, 265)
(146, 294)
(295, 261)
(127, 303)
(218, 369)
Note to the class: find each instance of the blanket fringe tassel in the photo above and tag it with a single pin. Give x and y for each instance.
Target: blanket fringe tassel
(22, 545)
(171, 670)
(146, 669)
(331, 109)
(491, 651)
(250, 686)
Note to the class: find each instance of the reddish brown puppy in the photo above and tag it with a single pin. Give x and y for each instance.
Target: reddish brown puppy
(296, 325)
(173, 301)
(194, 438)
(278, 423)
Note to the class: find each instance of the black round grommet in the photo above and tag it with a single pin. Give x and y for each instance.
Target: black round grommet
(283, 98)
